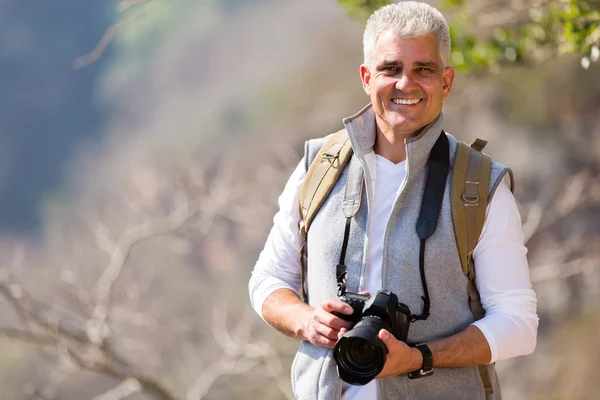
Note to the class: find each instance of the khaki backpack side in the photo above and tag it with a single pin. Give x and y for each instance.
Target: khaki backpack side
(322, 173)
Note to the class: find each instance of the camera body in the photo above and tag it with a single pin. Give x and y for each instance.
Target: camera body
(360, 354)
(357, 302)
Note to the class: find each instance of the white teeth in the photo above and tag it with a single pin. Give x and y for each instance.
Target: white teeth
(406, 102)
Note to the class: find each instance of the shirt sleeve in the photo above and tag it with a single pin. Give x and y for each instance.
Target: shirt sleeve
(502, 278)
(278, 265)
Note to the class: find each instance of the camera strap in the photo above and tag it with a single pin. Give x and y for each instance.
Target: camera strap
(431, 205)
(352, 198)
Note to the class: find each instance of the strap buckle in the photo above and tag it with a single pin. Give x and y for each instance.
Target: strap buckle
(341, 274)
(419, 374)
(331, 157)
(470, 199)
(302, 228)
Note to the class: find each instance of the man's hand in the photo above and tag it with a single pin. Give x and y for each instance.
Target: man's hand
(321, 327)
(401, 359)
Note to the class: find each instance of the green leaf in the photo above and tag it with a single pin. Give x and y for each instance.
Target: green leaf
(553, 27)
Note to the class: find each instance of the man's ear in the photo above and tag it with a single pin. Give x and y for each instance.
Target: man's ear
(365, 77)
(447, 80)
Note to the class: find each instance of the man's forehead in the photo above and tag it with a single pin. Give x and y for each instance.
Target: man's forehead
(392, 48)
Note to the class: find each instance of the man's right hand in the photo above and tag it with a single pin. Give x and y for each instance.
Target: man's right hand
(320, 327)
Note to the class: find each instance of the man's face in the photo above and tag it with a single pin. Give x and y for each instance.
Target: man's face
(406, 82)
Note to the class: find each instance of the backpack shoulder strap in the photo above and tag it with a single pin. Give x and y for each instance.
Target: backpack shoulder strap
(323, 171)
(322, 174)
(470, 189)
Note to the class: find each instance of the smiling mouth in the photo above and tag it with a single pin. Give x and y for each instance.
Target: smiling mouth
(406, 102)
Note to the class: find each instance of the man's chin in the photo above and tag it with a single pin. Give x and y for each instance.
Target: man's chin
(406, 127)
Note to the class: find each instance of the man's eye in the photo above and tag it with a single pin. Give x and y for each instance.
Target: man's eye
(392, 69)
(424, 69)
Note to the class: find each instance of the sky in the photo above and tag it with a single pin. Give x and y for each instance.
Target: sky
(46, 109)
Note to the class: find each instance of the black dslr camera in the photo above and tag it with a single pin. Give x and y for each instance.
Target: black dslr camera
(360, 354)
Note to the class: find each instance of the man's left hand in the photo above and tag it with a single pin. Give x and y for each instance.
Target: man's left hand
(401, 358)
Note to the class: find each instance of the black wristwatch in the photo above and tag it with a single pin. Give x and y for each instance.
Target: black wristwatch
(427, 367)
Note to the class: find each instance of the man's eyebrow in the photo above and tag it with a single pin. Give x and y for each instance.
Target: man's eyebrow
(428, 64)
(388, 63)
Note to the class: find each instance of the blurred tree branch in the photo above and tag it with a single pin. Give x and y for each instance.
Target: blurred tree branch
(119, 252)
(238, 355)
(121, 391)
(89, 333)
(487, 35)
(122, 6)
(70, 343)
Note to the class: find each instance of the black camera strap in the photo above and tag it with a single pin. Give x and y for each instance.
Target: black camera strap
(431, 205)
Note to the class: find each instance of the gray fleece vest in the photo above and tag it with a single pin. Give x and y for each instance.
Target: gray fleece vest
(314, 374)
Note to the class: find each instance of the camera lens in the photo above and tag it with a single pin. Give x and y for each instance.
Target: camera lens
(360, 354)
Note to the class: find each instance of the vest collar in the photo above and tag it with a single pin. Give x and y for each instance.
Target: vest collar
(361, 128)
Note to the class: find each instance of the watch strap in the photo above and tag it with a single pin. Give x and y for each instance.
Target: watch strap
(427, 367)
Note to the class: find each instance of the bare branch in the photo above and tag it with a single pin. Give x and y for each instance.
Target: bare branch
(88, 344)
(49, 390)
(239, 354)
(123, 390)
(27, 336)
(118, 371)
(108, 37)
(90, 357)
(35, 314)
(96, 326)
(124, 5)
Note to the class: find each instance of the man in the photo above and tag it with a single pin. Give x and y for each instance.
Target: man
(407, 76)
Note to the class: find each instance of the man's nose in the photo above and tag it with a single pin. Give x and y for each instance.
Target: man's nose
(405, 83)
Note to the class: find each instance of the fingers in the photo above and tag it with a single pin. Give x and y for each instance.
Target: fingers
(331, 320)
(327, 332)
(319, 340)
(323, 328)
(326, 327)
(320, 334)
(326, 317)
(400, 357)
(331, 305)
(388, 339)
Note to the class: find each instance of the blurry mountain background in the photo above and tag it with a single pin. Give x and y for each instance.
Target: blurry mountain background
(138, 185)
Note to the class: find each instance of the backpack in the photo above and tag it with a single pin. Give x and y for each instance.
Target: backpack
(470, 190)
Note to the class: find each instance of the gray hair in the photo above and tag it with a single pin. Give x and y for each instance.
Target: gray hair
(407, 19)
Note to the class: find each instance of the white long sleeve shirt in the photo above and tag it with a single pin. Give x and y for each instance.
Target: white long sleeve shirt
(502, 272)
